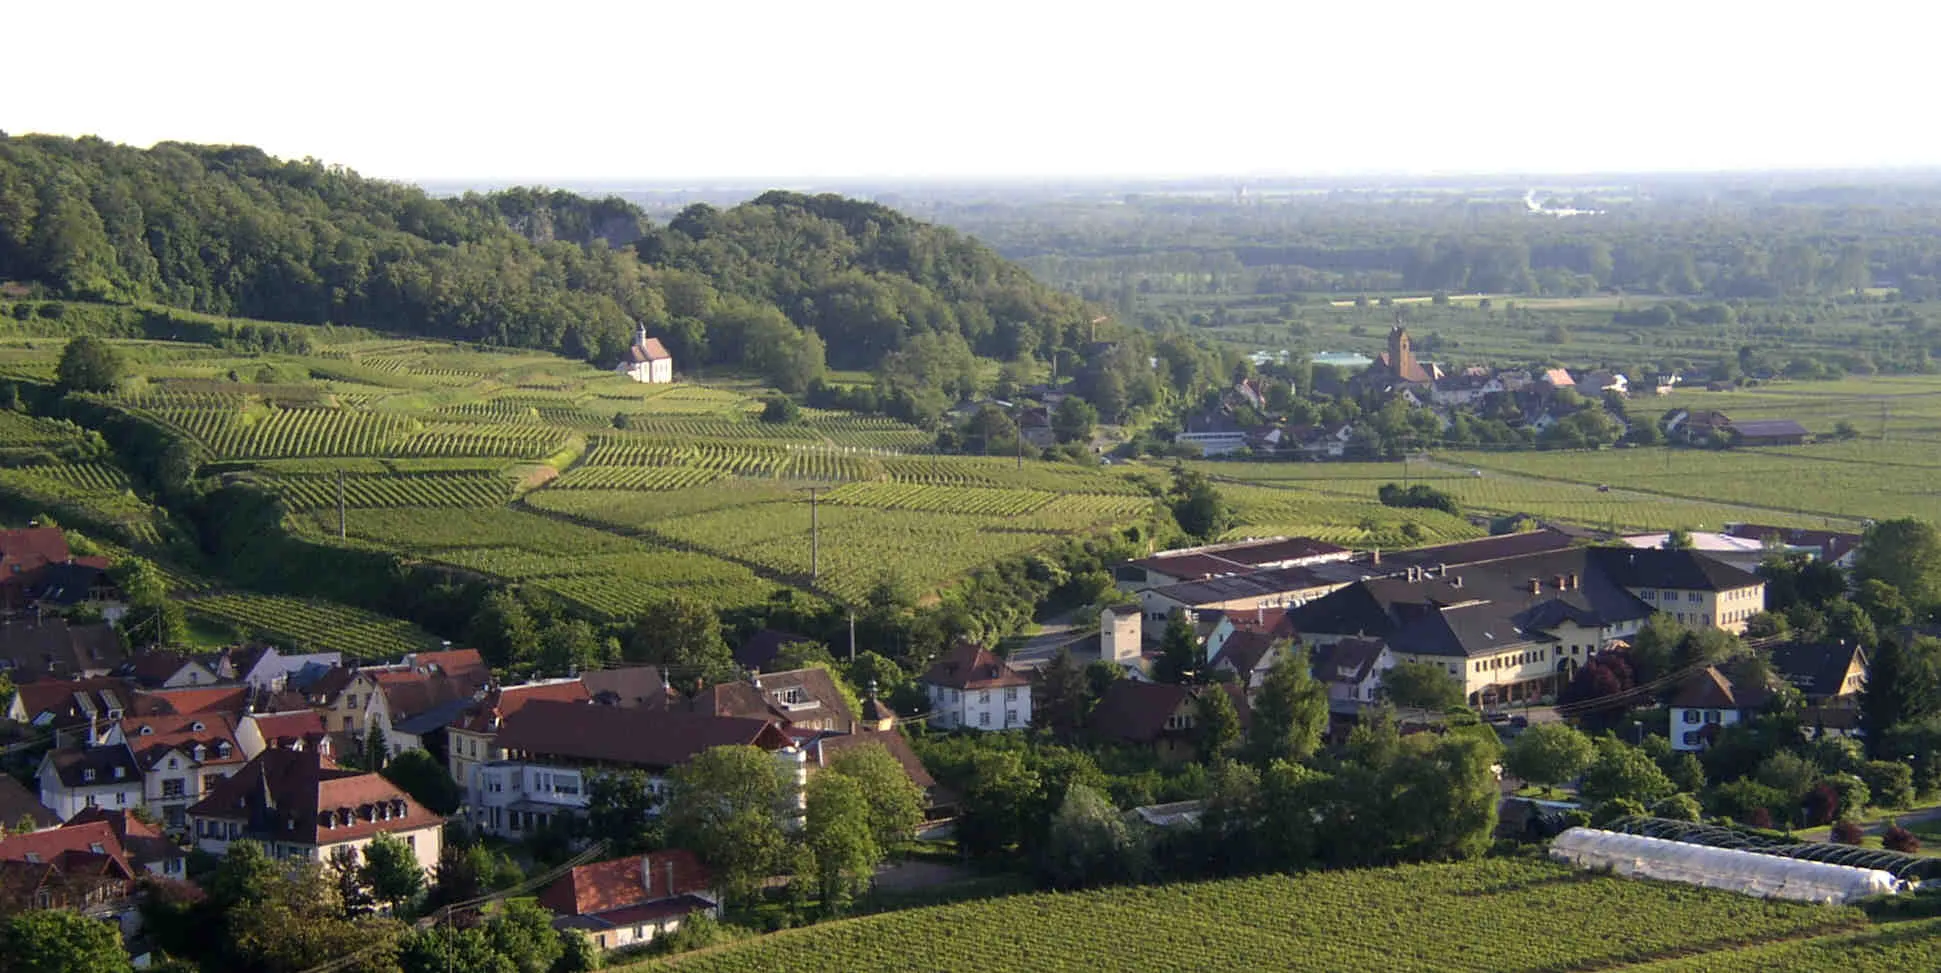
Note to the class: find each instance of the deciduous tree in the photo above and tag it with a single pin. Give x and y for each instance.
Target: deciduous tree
(1290, 713)
(1549, 754)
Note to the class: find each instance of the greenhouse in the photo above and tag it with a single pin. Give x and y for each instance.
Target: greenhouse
(1749, 872)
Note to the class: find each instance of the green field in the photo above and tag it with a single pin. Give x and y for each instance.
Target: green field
(1493, 915)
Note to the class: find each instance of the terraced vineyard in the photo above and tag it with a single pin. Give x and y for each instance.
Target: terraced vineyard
(1490, 916)
(395, 490)
(315, 626)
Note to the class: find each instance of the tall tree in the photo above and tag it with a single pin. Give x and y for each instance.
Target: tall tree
(391, 871)
(1216, 723)
(728, 805)
(1073, 420)
(89, 364)
(1181, 655)
(1088, 842)
(523, 933)
(838, 832)
(503, 630)
(1058, 704)
(419, 774)
(619, 808)
(683, 635)
(896, 803)
(1198, 506)
(1421, 685)
(1905, 554)
(1549, 754)
(59, 941)
(1903, 686)
(1622, 771)
(1290, 713)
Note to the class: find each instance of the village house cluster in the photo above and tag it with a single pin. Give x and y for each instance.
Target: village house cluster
(1529, 400)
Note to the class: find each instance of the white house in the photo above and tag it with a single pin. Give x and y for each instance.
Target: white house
(1711, 700)
(970, 688)
(182, 759)
(73, 779)
(552, 747)
(299, 804)
(647, 361)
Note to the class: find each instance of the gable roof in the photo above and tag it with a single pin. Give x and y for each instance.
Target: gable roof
(1349, 660)
(1818, 669)
(17, 802)
(648, 350)
(1131, 711)
(828, 748)
(1248, 650)
(141, 843)
(648, 738)
(486, 715)
(54, 647)
(622, 882)
(1715, 687)
(178, 733)
(73, 766)
(1685, 570)
(219, 699)
(628, 686)
(70, 701)
(24, 550)
(84, 847)
(303, 796)
(1479, 550)
(971, 666)
(283, 729)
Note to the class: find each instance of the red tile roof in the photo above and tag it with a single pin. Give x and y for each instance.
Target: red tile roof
(80, 840)
(465, 665)
(649, 350)
(653, 739)
(486, 715)
(1136, 712)
(220, 699)
(141, 842)
(178, 733)
(56, 696)
(28, 549)
(278, 729)
(303, 796)
(971, 666)
(626, 882)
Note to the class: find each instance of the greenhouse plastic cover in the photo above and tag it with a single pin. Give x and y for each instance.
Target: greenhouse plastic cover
(1767, 876)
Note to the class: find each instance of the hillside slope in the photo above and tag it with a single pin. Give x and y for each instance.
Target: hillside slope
(230, 230)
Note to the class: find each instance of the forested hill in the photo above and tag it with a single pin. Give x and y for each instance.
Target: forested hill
(230, 230)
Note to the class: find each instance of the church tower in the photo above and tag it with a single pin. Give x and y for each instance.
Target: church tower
(1400, 360)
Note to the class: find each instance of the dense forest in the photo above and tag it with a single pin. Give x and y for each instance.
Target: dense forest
(781, 284)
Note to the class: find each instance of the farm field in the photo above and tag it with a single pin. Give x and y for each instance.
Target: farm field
(1492, 915)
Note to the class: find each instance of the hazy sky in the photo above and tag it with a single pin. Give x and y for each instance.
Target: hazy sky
(564, 90)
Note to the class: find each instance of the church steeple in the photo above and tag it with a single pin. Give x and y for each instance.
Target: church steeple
(640, 338)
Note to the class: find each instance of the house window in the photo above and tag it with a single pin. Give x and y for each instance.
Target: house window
(209, 782)
(984, 718)
(1691, 738)
(1691, 716)
(1711, 716)
(1708, 619)
(984, 697)
(87, 774)
(1650, 595)
(173, 787)
(173, 763)
(1011, 694)
(1692, 596)
(1010, 717)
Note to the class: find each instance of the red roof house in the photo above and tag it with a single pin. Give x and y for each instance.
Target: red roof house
(629, 901)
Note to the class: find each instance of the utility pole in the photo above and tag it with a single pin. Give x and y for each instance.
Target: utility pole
(852, 634)
(342, 529)
(815, 535)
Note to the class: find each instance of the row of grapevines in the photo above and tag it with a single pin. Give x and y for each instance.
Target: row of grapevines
(322, 626)
(415, 490)
(942, 499)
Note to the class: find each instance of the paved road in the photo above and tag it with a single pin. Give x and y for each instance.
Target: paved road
(1053, 632)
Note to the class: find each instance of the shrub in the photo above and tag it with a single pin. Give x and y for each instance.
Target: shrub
(1822, 803)
(1760, 818)
(1847, 833)
(1897, 838)
(1678, 807)
(1615, 808)
(1890, 784)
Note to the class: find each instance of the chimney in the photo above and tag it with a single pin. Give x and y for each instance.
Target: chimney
(670, 876)
(647, 876)
(1455, 582)
(1536, 586)
(1572, 580)
(1377, 557)
(1442, 570)
(1557, 581)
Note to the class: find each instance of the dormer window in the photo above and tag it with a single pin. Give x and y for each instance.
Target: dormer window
(222, 748)
(121, 772)
(196, 727)
(173, 763)
(87, 774)
(148, 731)
(95, 846)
